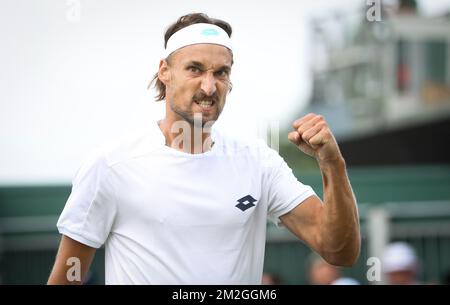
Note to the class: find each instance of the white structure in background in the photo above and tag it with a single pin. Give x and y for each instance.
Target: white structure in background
(372, 76)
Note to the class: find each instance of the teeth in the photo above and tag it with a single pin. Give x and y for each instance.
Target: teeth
(204, 103)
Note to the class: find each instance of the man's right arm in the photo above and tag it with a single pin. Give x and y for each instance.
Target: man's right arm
(71, 254)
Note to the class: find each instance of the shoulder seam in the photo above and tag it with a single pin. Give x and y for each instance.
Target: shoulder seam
(113, 163)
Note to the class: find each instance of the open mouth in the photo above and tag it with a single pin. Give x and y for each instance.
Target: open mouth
(205, 104)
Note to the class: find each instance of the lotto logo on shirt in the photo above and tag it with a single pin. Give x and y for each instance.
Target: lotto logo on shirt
(245, 203)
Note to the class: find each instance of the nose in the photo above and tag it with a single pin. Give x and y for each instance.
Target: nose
(209, 84)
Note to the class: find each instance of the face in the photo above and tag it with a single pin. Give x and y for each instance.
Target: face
(322, 273)
(402, 277)
(197, 80)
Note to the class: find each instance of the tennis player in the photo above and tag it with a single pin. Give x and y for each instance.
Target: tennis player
(182, 203)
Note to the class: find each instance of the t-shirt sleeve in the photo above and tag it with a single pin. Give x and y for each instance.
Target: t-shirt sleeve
(284, 191)
(91, 208)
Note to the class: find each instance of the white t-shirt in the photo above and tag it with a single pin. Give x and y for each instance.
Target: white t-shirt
(169, 217)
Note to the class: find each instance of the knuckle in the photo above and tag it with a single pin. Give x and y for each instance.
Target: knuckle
(321, 124)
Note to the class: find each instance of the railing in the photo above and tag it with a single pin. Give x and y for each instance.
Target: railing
(30, 242)
(424, 225)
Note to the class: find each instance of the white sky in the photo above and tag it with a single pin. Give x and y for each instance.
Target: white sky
(66, 87)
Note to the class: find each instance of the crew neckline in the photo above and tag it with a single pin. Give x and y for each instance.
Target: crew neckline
(176, 152)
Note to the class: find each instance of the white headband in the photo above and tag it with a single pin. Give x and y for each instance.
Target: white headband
(197, 33)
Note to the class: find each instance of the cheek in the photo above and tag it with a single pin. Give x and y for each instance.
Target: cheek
(224, 88)
(182, 89)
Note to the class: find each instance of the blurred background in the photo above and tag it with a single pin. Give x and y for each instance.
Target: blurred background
(74, 75)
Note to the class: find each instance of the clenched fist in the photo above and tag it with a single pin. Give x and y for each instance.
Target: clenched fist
(313, 136)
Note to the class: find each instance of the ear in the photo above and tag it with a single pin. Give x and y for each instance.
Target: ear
(164, 72)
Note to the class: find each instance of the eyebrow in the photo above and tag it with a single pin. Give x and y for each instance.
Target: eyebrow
(199, 65)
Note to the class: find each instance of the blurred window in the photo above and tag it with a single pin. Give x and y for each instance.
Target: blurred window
(436, 61)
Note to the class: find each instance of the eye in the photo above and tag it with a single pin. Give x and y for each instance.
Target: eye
(222, 73)
(193, 69)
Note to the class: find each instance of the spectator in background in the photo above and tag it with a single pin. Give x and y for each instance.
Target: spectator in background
(270, 279)
(345, 281)
(400, 264)
(322, 273)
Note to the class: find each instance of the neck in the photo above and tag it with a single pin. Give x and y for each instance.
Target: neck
(184, 136)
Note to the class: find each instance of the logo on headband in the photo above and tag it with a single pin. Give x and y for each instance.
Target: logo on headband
(210, 32)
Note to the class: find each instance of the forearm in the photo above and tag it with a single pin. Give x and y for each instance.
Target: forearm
(72, 263)
(59, 276)
(333, 228)
(339, 228)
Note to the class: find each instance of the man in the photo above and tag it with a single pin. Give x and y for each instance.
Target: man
(322, 273)
(184, 204)
(271, 279)
(400, 264)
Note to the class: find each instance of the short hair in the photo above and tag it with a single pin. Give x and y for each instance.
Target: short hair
(183, 22)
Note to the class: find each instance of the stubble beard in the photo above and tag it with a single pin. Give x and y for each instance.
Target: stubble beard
(188, 116)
